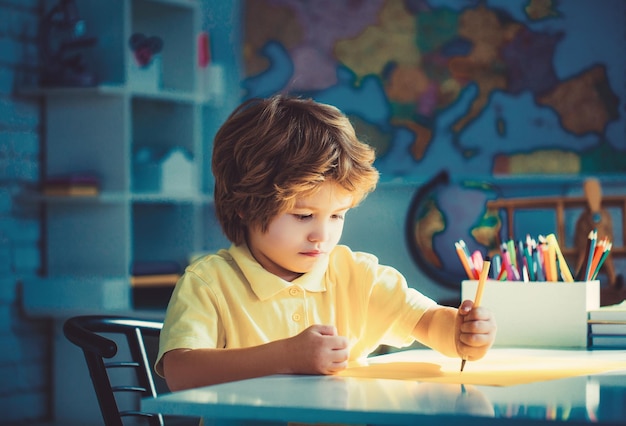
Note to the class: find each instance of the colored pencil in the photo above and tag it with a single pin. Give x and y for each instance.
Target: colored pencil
(592, 246)
(565, 272)
(479, 292)
(469, 259)
(464, 261)
(580, 275)
(607, 250)
(597, 254)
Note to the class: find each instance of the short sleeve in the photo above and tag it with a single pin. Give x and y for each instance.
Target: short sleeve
(192, 318)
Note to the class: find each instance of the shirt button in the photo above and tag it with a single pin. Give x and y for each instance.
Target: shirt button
(296, 317)
(293, 291)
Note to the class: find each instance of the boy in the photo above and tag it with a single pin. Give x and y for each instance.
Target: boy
(285, 298)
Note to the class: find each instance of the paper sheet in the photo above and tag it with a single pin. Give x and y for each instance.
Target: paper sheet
(503, 369)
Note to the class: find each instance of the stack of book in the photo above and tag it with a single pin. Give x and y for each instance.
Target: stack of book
(607, 327)
(72, 185)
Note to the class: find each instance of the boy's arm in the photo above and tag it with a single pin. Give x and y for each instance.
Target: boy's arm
(317, 350)
(463, 332)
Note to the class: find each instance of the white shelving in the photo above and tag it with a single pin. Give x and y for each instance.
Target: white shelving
(99, 130)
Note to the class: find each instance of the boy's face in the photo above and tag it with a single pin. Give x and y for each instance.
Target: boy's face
(297, 239)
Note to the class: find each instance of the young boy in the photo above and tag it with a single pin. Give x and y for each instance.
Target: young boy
(285, 297)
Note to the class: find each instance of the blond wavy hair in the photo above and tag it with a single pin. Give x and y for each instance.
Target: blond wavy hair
(271, 151)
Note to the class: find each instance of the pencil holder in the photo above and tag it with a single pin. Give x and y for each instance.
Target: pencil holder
(538, 314)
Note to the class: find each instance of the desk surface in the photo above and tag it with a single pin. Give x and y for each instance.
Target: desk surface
(589, 398)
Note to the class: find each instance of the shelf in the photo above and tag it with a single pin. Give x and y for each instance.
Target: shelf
(75, 294)
(101, 90)
(168, 95)
(31, 196)
(183, 3)
(139, 131)
(115, 197)
(114, 90)
(149, 198)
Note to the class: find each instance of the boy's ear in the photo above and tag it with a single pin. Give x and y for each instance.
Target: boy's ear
(240, 214)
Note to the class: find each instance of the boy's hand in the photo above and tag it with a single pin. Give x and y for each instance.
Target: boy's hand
(475, 331)
(318, 350)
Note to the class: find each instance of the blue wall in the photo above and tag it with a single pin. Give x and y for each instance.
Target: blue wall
(24, 358)
(376, 226)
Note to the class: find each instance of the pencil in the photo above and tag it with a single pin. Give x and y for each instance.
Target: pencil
(479, 292)
(565, 272)
(551, 263)
(528, 255)
(593, 236)
(468, 256)
(538, 259)
(597, 254)
(582, 271)
(605, 254)
(511, 271)
(464, 261)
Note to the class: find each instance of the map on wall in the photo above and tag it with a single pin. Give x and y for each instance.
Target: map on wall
(509, 87)
(452, 91)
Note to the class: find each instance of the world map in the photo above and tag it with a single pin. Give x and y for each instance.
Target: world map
(451, 79)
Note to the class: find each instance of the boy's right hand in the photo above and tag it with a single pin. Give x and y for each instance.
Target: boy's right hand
(318, 350)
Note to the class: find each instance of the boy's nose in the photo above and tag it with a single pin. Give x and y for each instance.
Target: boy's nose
(319, 233)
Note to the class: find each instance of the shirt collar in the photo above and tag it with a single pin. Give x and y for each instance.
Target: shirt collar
(265, 284)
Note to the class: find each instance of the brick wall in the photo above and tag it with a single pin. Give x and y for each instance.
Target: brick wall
(25, 343)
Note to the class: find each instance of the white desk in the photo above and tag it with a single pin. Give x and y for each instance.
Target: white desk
(595, 398)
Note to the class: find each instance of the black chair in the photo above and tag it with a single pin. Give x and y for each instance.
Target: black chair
(127, 372)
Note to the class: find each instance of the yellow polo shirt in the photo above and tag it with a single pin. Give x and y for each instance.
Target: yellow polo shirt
(227, 300)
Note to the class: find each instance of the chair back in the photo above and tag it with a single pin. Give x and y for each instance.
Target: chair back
(112, 378)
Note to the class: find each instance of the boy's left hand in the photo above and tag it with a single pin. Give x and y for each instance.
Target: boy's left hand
(475, 331)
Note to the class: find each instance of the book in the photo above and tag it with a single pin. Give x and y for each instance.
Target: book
(71, 184)
(157, 280)
(611, 312)
(616, 341)
(71, 191)
(607, 327)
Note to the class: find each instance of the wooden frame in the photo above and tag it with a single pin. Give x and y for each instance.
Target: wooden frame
(560, 204)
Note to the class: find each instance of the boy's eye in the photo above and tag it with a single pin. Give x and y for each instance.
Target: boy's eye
(303, 216)
(310, 216)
